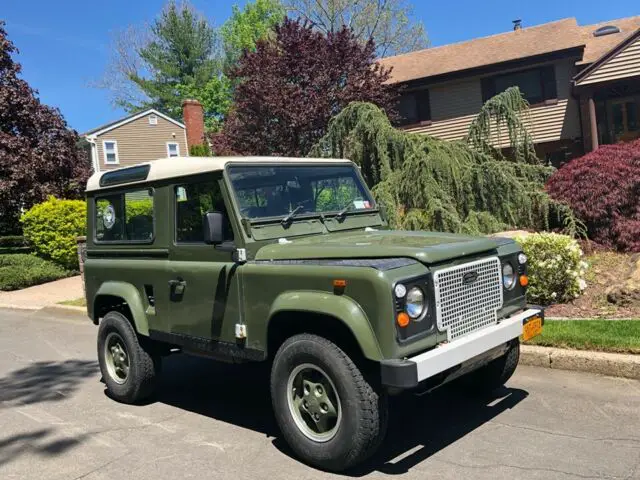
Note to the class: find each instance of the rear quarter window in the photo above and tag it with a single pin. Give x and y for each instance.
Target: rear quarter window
(125, 217)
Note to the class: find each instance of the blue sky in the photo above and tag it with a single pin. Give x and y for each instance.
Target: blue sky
(64, 44)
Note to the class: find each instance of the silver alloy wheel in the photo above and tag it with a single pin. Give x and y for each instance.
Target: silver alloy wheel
(314, 402)
(116, 358)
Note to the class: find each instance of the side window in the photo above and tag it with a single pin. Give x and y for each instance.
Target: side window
(125, 217)
(192, 202)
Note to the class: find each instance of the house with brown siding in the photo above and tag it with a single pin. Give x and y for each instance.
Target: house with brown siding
(582, 83)
(144, 136)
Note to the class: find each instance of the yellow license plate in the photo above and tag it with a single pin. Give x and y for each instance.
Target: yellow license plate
(532, 328)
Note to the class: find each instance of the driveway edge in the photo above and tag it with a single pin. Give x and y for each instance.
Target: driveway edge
(611, 364)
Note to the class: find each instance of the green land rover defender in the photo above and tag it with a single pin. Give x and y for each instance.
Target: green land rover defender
(290, 262)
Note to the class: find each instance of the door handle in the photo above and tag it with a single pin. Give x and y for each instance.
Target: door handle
(177, 286)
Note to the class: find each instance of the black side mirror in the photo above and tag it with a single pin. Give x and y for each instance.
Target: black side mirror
(213, 227)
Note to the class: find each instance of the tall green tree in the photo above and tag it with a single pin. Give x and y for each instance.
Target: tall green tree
(246, 26)
(180, 53)
(153, 66)
(389, 23)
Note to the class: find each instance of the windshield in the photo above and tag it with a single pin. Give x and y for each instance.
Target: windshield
(275, 191)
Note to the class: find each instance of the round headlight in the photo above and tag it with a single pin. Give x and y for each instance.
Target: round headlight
(415, 302)
(508, 276)
(522, 258)
(400, 290)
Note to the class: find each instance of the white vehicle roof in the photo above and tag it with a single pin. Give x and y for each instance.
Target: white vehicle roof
(183, 166)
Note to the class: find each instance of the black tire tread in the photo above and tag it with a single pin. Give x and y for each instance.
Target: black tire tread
(372, 403)
(144, 366)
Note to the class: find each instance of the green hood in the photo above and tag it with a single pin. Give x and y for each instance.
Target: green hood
(427, 247)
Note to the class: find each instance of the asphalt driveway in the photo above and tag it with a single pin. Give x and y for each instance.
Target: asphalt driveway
(214, 421)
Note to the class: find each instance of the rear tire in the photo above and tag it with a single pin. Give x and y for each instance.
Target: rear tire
(128, 366)
(496, 373)
(329, 414)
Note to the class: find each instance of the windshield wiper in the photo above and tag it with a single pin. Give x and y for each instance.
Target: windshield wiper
(287, 219)
(342, 213)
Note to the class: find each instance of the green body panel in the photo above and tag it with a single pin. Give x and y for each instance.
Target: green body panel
(131, 296)
(340, 307)
(427, 247)
(289, 268)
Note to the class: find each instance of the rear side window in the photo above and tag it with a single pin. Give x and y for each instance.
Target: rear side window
(125, 217)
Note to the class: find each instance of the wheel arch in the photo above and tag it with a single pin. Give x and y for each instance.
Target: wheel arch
(123, 297)
(337, 318)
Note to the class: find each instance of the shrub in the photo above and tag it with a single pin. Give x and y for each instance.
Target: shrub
(602, 188)
(13, 241)
(24, 270)
(555, 267)
(52, 228)
(201, 150)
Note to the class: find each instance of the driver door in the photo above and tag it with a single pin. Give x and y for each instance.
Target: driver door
(203, 280)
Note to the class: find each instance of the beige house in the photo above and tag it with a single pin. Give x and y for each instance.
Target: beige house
(141, 137)
(582, 82)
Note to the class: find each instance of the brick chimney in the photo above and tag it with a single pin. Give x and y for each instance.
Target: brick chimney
(193, 116)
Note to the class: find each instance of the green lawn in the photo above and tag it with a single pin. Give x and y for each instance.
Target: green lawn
(78, 302)
(622, 336)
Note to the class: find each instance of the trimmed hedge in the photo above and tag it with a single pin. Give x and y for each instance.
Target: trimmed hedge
(13, 241)
(22, 270)
(555, 268)
(52, 227)
(602, 189)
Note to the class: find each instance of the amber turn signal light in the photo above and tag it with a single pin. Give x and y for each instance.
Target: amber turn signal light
(403, 319)
(524, 280)
(339, 283)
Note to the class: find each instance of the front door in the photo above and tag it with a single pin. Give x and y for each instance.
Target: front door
(203, 280)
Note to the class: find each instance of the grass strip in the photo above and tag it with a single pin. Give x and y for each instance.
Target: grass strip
(618, 336)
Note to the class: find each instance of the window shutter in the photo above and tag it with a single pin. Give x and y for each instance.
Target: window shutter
(548, 77)
(488, 88)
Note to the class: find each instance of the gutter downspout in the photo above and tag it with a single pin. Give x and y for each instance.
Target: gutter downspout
(94, 153)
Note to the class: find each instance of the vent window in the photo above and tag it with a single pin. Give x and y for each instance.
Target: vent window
(153, 119)
(606, 30)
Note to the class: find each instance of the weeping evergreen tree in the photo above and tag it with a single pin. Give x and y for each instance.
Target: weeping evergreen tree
(426, 183)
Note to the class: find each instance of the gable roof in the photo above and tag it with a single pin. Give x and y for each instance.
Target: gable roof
(123, 121)
(613, 62)
(548, 38)
(457, 57)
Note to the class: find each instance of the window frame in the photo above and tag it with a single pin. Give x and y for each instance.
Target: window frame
(105, 194)
(153, 119)
(488, 84)
(115, 151)
(217, 179)
(177, 149)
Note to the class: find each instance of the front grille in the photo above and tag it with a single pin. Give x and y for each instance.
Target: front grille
(464, 306)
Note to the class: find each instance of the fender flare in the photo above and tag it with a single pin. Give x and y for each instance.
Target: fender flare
(131, 296)
(343, 309)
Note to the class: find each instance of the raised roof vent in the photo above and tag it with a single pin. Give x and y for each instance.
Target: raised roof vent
(606, 30)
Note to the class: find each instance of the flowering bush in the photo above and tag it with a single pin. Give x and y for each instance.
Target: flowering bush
(556, 269)
(602, 189)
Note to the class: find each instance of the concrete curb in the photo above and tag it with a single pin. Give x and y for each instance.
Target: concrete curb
(611, 364)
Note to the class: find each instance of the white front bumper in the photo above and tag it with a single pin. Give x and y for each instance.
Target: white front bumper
(448, 355)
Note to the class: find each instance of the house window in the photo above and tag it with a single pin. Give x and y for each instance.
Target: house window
(173, 149)
(153, 119)
(537, 85)
(110, 148)
(414, 107)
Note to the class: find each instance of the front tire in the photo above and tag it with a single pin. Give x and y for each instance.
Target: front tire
(497, 372)
(327, 411)
(129, 370)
